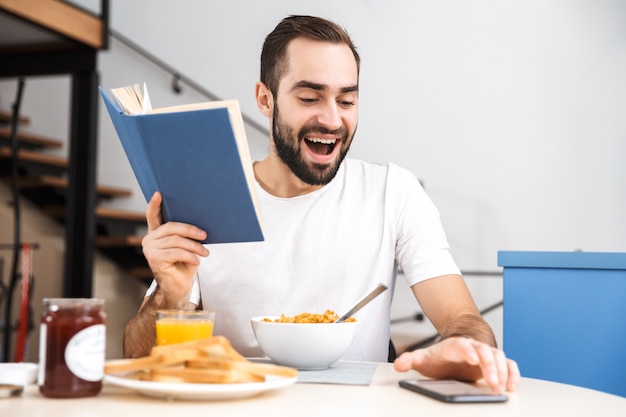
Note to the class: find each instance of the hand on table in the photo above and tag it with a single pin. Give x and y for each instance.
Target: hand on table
(463, 358)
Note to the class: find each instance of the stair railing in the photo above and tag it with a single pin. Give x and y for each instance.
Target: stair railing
(178, 77)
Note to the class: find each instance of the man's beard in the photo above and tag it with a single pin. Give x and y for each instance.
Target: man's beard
(288, 149)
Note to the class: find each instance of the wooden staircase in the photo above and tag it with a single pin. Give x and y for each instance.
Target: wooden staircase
(43, 180)
(47, 38)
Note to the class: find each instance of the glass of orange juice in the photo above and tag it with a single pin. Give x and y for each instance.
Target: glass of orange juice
(176, 326)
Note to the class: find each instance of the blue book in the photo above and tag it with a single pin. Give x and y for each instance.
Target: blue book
(197, 156)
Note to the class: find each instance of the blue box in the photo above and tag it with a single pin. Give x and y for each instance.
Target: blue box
(565, 317)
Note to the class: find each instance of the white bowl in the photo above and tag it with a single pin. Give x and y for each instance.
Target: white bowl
(22, 373)
(305, 346)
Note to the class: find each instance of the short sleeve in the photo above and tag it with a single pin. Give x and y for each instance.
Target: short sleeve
(422, 249)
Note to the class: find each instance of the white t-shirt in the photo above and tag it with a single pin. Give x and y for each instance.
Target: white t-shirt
(324, 250)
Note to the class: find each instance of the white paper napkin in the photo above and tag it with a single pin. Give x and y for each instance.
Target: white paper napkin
(342, 372)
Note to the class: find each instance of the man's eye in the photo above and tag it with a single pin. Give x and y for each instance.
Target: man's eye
(345, 103)
(306, 100)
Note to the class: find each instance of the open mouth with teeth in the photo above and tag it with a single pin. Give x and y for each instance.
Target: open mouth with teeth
(320, 146)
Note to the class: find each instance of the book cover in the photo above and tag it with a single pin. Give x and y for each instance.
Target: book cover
(197, 156)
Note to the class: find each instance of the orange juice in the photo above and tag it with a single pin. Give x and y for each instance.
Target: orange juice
(183, 326)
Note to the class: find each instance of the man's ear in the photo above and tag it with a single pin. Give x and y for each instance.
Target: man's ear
(264, 99)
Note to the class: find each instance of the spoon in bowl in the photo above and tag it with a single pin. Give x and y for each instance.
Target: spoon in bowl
(362, 302)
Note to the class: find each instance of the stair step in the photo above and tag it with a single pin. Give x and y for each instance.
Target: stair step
(126, 251)
(6, 117)
(118, 241)
(62, 183)
(142, 273)
(36, 163)
(27, 140)
(102, 213)
(124, 215)
(108, 221)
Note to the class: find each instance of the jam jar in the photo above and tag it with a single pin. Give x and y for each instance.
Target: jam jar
(71, 347)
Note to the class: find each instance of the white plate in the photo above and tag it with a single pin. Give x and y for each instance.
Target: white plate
(190, 391)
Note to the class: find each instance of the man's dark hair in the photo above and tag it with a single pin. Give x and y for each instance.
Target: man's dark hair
(274, 53)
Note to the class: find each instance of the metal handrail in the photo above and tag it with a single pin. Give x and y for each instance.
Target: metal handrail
(178, 77)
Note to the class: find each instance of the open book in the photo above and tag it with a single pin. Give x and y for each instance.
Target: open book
(197, 156)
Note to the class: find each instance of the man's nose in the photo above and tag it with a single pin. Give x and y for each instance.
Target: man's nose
(330, 115)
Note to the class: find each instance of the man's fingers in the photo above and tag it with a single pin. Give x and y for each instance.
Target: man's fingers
(503, 369)
(408, 360)
(178, 236)
(172, 250)
(487, 362)
(153, 212)
(154, 220)
(514, 375)
(176, 257)
(500, 373)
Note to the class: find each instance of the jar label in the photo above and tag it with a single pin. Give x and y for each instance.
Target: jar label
(43, 336)
(84, 354)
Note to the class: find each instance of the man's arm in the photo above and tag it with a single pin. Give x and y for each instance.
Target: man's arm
(173, 251)
(468, 348)
(140, 332)
(448, 304)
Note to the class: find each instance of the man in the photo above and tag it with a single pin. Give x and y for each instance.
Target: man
(334, 228)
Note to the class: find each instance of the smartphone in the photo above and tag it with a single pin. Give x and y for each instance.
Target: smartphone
(452, 391)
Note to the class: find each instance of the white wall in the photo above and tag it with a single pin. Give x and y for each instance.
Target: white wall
(511, 112)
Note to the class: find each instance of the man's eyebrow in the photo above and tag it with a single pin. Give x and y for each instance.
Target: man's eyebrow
(350, 89)
(321, 87)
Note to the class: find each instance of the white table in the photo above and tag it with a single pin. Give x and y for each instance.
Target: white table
(383, 397)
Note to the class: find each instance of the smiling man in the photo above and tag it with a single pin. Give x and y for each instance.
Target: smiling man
(334, 228)
(313, 113)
